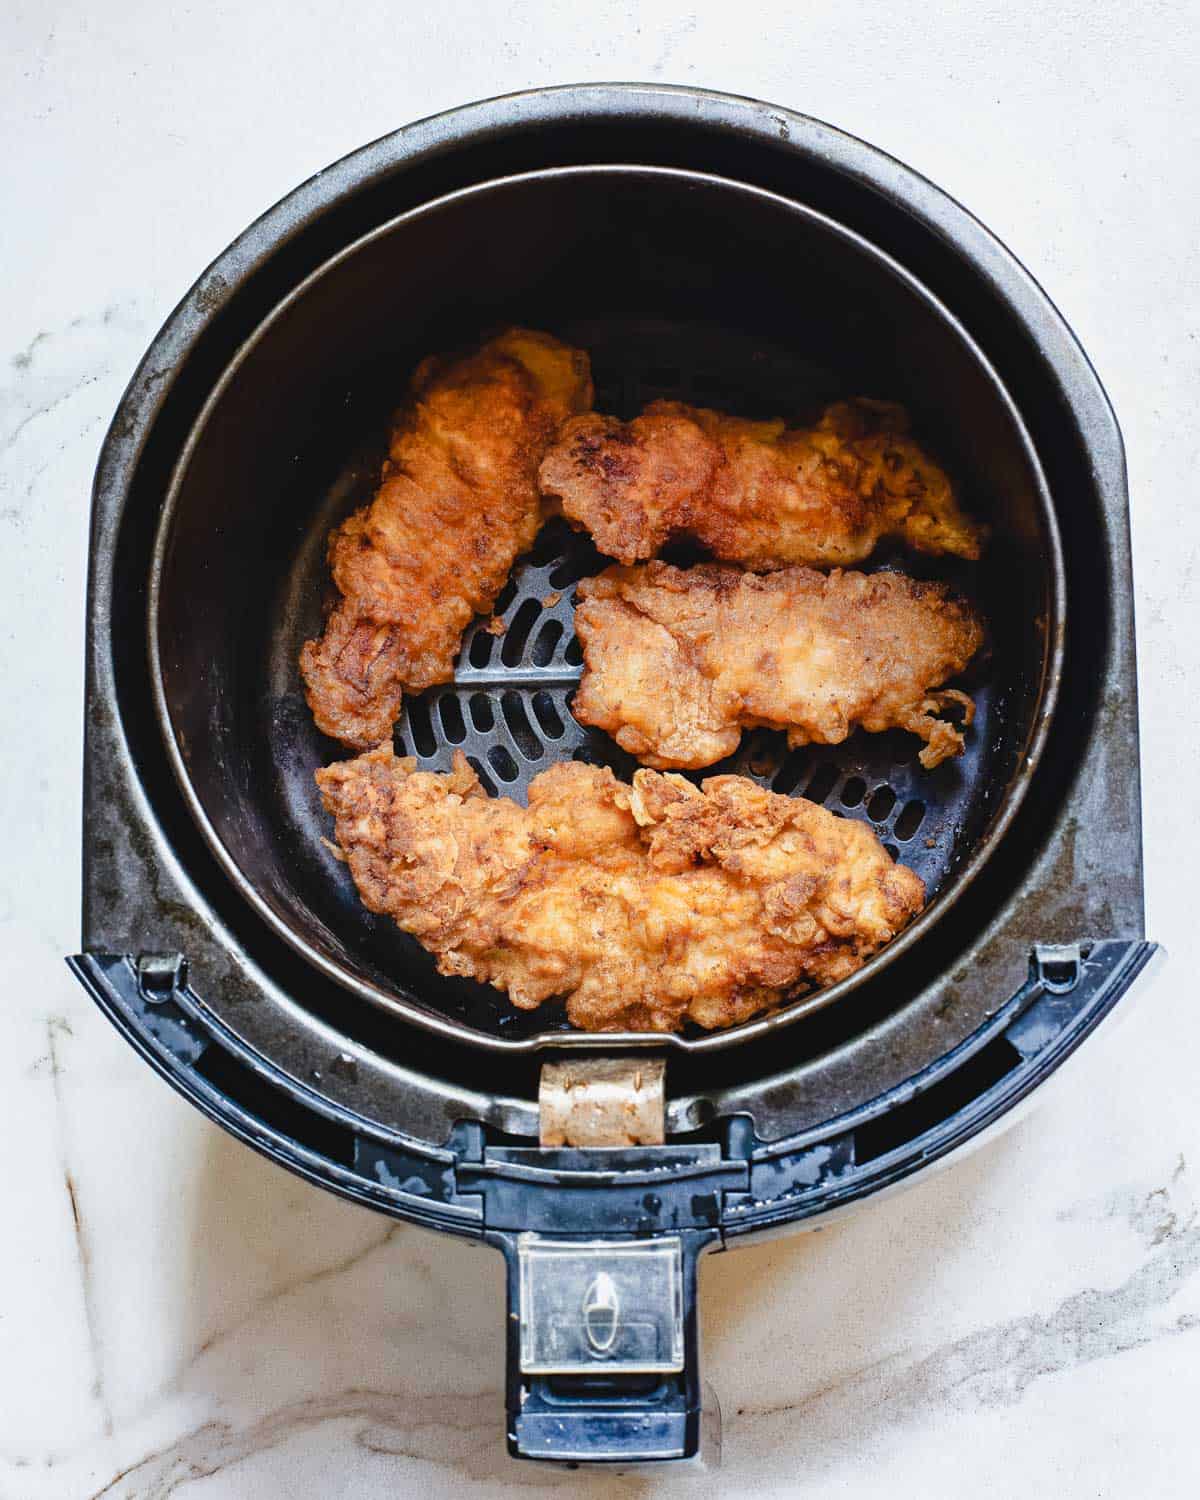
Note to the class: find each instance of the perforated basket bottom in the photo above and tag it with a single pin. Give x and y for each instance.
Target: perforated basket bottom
(509, 711)
(508, 708)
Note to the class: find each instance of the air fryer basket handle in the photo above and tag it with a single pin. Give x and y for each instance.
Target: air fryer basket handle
(602, 1244)
(603, 1356)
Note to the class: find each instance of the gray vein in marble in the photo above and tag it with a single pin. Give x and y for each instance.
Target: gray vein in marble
(299, 1283)
(386, 1423)
(991, 1367)
(60, 399)
(995, 1366)
(57, 1027)
(1154, 1215)
(23, 359)
(215, 1340)
(63, 385)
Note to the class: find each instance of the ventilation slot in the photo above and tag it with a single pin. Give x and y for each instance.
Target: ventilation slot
(882, 801)
(548, 546)
(548, 638)
(482, 714)
(573, 655)
(450, 713)
(502, 763)
(761, 756)
(521, 730)
(481, 648)
(854, 791)
(505, 597)
(823, 781)
(512, 647)
(548, 716)
(424, 738)
(912, 815)
(788, 776)
(485, 781)
(574, 566)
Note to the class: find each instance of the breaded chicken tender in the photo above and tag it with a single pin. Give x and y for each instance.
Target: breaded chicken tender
(680, 660)
(644, 906)
(761, 494)
(457, 504)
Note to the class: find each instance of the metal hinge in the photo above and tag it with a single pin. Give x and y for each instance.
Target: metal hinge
(610, 1101)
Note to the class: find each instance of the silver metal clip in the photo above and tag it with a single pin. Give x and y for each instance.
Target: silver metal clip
(607, 1101)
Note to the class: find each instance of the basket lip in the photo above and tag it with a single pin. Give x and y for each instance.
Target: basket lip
(412, 1010)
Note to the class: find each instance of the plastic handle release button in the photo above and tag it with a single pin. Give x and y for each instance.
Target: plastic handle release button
(602, 1313)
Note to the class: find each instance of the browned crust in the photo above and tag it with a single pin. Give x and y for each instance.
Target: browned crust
(458, 502)
(678, 661)
(644, 906)
(756, 493)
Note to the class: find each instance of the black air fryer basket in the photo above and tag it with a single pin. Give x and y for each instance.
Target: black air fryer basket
(702, 247)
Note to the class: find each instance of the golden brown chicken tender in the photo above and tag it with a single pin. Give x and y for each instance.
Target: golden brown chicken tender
(645, 906)
(680, 660)
(756, 493)
(457, 504)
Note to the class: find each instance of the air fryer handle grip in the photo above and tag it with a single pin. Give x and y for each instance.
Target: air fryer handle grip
(603, 1348)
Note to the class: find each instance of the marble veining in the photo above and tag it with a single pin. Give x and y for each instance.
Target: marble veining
(997, 1365)
(56, 1027)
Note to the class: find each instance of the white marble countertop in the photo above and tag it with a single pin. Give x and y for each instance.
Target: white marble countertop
(180, 1318)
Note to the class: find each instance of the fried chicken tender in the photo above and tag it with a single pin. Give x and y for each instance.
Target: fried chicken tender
(645, 906)
(457, 504)
(680, 660)
(756, 493)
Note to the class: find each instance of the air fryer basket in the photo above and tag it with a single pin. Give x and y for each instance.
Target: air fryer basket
(780, 310)
(222, 945)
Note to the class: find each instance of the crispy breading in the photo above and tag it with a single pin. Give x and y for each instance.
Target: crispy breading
(756, 493)
(457, 504)
(644, 906)
(680, 660)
